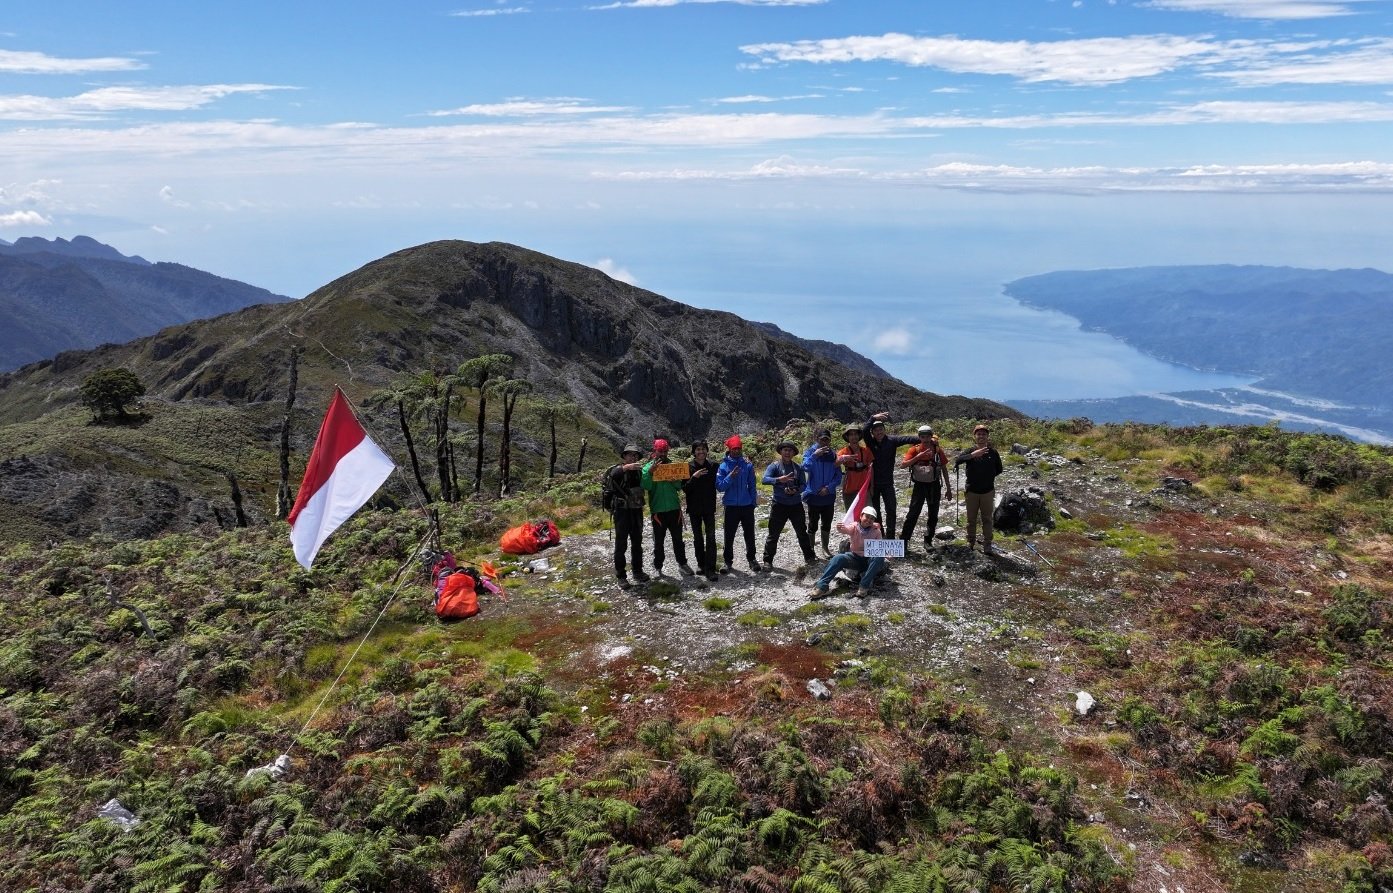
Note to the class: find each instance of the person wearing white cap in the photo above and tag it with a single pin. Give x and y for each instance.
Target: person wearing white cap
(867, 527)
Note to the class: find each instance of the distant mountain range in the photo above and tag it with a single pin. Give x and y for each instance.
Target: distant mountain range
(58, 295)
(634, 363)
(1318, 333)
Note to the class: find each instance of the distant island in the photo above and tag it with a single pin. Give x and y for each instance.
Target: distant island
(1317, 333)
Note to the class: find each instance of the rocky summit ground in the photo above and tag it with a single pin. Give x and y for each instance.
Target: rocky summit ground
(1005, 631)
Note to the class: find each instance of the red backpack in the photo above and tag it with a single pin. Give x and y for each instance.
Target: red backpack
(530, 538)
(458, 598)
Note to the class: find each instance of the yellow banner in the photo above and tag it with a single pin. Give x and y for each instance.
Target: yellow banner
(671, 471)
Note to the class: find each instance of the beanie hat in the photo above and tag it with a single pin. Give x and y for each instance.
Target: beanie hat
(733, 442)
(660, 444)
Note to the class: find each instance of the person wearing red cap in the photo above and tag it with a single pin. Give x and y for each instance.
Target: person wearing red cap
(735, 480)
(665, 506)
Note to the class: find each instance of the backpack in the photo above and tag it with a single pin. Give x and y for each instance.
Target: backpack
(457, 588)
(530, 538)
(608, 493)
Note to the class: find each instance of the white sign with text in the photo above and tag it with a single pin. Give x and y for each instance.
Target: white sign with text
(884, 548)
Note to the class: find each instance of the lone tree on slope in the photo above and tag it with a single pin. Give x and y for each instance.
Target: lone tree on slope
(109, 391)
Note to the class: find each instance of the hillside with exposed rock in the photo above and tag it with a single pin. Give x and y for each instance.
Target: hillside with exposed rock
(633, 362)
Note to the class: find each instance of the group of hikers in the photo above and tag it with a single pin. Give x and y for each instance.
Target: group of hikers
(804, 496)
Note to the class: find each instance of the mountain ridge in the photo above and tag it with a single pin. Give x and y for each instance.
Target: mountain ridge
(66, 295)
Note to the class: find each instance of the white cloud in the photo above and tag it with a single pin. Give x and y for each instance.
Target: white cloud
(754, 97)
(24, 218)
(497, 11)
(1099, 60)
(1259, 9)
(894, 341)
(1369, 63)
(781, 168)
(607, 266)
(22, 62)
(106, 100)
(525, 108)
(168, 197)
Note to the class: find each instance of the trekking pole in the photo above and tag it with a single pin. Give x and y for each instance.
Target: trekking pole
(1031, 546)
(957, 492)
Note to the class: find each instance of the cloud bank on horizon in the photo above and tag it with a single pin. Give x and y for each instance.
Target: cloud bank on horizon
(605, 129)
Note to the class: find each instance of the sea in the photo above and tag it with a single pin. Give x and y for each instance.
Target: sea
(964, 335)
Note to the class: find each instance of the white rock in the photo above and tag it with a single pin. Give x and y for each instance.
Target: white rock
(1084, 703)
(817, 689)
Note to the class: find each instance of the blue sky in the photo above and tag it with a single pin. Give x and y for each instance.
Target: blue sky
(850, 169)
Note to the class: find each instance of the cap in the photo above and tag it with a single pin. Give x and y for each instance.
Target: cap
(786, 445)
(631, 448)
(733, 442)
(821, 433)
(660, 444)
(870, 510)
(877, 424)
(926, 429)
(980, 428)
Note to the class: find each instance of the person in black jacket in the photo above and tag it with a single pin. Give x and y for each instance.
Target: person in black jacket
(983, 465)
(883, 447)
(626, 485)
(700, 488)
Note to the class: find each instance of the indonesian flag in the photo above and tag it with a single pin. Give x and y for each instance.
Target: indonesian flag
(344, 470)
(853, 511)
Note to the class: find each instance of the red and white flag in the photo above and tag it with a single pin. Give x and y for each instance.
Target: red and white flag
(863, 498)
(346, 467)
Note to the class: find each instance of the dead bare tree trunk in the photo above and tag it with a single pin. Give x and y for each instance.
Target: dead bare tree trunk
(580, 461)
(411, 450)
(283, 500)
(236, 499)
(551, 464)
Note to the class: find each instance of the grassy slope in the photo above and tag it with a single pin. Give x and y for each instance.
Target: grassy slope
(1244, 705)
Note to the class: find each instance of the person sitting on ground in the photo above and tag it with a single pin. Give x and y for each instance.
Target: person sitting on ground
(854, 560)
(735, 480)
(979, 493)
(820, 492)
(928, 472)
(626, 483)
(788, 480)
(700, 488)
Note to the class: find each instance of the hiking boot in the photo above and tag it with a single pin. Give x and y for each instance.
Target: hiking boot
(642, 577)
(727, 569)
(657, 570)
(818, 592)
(863, 592)
(686, 570)
(622, 580)
(711, 575)
(759, 568)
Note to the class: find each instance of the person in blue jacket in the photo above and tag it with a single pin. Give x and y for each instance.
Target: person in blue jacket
(820, 491)
(788, 480)
(735, 480)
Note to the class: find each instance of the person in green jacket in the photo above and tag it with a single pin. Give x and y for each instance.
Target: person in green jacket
(665, 506)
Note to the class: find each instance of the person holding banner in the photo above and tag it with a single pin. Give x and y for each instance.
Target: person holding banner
(735, 480)
(983, 465)
(820, 492)
(665, 506)
(854, 559)
(787, 479)
(701, 507)
(928, 472)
